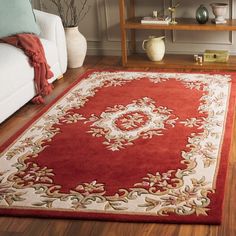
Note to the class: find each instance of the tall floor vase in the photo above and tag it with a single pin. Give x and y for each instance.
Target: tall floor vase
(76, 47)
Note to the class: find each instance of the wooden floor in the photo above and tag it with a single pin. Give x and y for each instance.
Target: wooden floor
(10, 226)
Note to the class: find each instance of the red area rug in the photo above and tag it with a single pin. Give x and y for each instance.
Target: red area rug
(128, 146)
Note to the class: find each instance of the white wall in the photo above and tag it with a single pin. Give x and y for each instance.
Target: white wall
(101, 27)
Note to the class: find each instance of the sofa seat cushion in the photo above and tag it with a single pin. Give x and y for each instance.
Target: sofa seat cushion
(16, 71)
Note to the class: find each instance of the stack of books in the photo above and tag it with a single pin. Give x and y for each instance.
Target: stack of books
(216, 56)
(156, 20)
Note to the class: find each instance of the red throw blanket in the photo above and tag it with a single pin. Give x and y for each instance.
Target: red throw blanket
(33, 48)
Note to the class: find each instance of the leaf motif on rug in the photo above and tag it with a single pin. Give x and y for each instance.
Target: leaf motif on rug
(121, 125)
(183, 189)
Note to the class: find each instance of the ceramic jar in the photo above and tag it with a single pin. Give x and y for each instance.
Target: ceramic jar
(76, 47)
(154, 47)
(202, 14)
(219, 10)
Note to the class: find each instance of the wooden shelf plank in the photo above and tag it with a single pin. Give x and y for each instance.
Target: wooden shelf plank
(183, 24)
(180, 61)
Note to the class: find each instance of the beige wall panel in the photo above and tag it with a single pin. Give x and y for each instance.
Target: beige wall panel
(101, 27)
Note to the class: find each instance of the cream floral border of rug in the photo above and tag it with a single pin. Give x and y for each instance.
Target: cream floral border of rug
(183, 192)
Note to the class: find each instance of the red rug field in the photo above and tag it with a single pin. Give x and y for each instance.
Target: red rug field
(126, 146)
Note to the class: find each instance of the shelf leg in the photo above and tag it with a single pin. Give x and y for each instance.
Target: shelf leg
(123, 32)
(133, 32)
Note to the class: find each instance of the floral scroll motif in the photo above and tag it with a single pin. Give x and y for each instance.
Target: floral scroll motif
(182, 191)
(122, 125)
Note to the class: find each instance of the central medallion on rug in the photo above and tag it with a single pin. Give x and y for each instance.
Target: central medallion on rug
(121, 125)
(123, 145)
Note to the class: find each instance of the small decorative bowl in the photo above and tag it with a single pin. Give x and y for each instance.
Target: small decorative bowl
(219, 10)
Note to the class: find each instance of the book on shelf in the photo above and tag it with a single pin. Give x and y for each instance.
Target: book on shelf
(219, 22)
(156, 20)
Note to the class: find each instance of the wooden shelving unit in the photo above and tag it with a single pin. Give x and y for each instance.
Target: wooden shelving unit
(132, 23)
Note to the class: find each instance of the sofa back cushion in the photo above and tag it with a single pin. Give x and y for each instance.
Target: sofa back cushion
(16, 16)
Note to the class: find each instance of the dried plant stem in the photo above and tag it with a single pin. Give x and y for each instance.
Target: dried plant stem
(70, 11)
(83, 12)
(60, 9)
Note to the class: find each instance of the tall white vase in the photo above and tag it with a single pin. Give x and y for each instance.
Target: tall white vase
(76, 47)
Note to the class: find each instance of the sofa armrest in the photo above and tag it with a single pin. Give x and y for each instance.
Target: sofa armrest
(51, 28)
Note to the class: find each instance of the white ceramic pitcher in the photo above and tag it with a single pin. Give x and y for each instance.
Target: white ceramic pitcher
(154, 47)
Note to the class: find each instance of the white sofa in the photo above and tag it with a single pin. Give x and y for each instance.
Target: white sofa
(17, 76)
